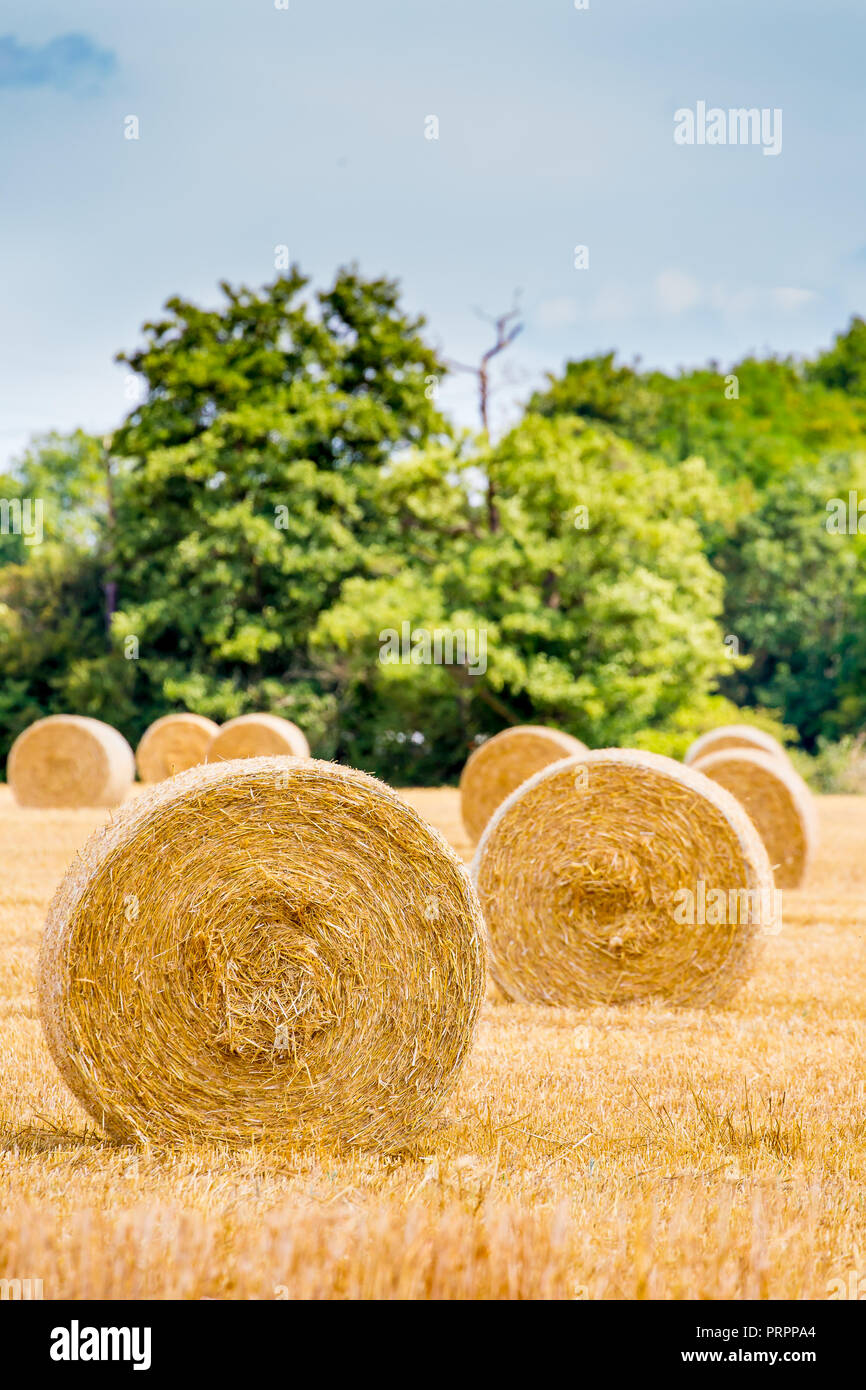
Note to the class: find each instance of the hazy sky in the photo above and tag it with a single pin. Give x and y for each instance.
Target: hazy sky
(306, 126)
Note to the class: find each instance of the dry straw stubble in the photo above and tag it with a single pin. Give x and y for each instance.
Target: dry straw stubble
(258, 736)
(502, 762)
(778, 802)
(173, 744)
(69, 760)
(735, 736)
(265, 948)
(584, 876)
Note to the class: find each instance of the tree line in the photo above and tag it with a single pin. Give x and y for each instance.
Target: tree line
(642, 551)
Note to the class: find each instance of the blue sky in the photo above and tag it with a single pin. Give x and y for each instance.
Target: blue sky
(306, 126)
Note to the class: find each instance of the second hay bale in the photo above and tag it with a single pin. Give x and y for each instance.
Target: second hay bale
(173, 744)
(593, 877)
(778, 802)
(502, 762)
(258, 736)
(735, 736)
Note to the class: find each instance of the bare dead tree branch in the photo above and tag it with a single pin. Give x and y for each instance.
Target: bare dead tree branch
(507, 327)
(110, 584)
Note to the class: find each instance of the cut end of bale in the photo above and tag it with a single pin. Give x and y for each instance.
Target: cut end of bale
(267, 948)
(174, 744)
(778, 802)
(618, 876)
(735, 736)
(68, 760)
(258, 736)
(502, 763)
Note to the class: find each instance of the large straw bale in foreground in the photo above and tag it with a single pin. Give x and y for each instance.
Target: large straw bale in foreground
(258, 736)
(778, 802)
(173, 744)
(622, 875)
(501, 763)
(271, 948)
(735, 736)
(69, 760)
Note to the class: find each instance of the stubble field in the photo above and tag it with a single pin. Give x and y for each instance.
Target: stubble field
(600, 1153)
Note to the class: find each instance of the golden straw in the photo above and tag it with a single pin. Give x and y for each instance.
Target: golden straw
(270, 946)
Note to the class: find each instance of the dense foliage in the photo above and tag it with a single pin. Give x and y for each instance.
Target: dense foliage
(788, 443)
(637, 552)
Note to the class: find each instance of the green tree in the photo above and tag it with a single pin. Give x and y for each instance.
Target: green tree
(753, 423)
(56, 653)
(783, 437)
(843, 366)
(796, 600)
(600, 608)
(249, 483)
(66, 476)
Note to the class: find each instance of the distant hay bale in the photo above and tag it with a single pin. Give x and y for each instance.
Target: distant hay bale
(778, 802)
(501, 763)
(267, 948)
(69, 760)
(258, 736)
(173, 744)
(622, 875)
(735, 736)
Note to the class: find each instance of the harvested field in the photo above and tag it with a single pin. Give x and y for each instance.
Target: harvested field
(589, 1153)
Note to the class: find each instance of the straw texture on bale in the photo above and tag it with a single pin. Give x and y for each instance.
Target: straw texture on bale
(271, 948)
(258, 736)
(735, 736)
(69, 760)
(173, 744)
(500, 764)
(778, 802)
(594, 878)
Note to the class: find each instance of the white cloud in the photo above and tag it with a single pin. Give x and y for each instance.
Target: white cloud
(676, 291)
(789, 298)
(556, 313)
(615, 301)
(736, 302)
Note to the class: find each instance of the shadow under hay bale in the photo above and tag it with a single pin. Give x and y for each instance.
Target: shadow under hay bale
(264, 948)
(594, 879)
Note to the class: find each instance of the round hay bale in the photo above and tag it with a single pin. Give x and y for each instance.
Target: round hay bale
(501, 763)
(735, 736)
(603, 879)
(267, 948)
(778, 802)
(70, 760)
(173, 744)
(258, 736)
